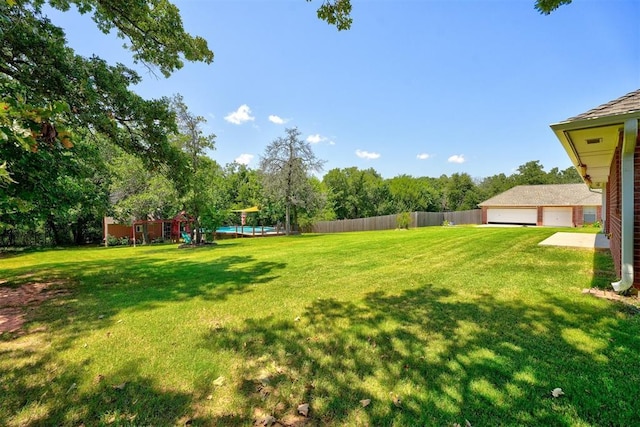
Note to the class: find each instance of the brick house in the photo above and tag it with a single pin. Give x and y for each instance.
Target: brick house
(603, 146)
(555, 205)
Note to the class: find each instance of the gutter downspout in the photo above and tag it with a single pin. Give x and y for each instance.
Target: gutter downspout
(627, 229)
(603, 211)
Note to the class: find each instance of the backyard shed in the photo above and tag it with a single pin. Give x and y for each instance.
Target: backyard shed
(602, 144)
(556, 205)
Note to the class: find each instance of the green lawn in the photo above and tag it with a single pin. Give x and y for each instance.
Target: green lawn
(459, 323)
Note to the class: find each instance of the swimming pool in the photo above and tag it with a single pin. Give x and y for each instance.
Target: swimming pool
(247, 229)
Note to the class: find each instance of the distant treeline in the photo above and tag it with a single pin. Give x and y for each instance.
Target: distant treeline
(63, 200)
(354, 193)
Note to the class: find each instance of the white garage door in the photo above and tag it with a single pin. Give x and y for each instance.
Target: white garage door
(512, 216)
(555, 216)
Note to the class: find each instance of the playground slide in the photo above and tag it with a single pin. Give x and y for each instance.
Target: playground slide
(186, 237)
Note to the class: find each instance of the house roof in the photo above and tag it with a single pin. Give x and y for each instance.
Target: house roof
(546, 195)
(623, 105)
(590, 139)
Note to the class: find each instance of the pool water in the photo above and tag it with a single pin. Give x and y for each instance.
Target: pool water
(245, 229)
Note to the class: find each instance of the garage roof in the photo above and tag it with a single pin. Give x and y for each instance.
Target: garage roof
(546, 195)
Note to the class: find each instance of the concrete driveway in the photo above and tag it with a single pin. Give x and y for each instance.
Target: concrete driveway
(577, 240)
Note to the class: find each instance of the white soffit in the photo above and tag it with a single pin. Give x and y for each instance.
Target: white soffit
(594, 148)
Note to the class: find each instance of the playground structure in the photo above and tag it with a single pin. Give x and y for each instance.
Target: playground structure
(157, 229)
(244, 212)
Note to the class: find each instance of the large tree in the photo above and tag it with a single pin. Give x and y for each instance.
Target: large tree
(531, 173)
(194, 143)
(286, 166)
(242, 186)
(409, 194)
(356, 193)
(56, 106)
(46, 90)
(62, 194)
(459, 192)
(138, 193)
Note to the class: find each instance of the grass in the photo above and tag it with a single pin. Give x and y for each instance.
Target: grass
(459, 323)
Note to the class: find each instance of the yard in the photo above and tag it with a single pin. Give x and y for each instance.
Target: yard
(430, 326)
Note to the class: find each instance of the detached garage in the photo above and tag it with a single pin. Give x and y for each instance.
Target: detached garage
(512, 216)
(554, 205)
(557, 216)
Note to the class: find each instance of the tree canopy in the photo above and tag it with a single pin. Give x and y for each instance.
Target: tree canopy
(76, 143)
(286, 166)
(47, 91)
(153, 29)
(338, 12)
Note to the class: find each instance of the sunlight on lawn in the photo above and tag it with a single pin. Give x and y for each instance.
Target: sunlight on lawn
(253, 328)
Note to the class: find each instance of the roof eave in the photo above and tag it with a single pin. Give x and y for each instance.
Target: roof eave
(563, 129)
(568, 125)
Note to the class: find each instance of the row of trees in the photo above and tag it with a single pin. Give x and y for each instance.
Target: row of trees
(76, 143)
(65, 193)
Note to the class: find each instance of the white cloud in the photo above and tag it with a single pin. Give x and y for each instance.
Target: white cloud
(314, 139)
(456, 158)
(240, 116)
(244, 159)
(423, 156)
(367, 155)
(276, 119)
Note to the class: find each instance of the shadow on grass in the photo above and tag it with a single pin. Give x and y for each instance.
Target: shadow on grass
(38, 388)
(112, 285)
(39, 391)
(487, 361)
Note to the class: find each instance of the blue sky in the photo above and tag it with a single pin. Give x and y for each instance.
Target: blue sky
(418, 87)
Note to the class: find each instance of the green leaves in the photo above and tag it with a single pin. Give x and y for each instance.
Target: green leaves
(336, 12)
(153, 31)
(547, 6)
(5, 177)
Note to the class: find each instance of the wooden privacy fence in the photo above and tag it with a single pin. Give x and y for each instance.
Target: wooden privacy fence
(389, 222)
(473, 216)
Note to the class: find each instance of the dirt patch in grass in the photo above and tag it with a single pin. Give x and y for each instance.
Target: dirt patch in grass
(14, 302)
(631, 303)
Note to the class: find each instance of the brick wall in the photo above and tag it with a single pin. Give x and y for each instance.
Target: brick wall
(540, 212)
(614, 215)
(636, 217)
(578, 216)
(613, 209)
(599, 214)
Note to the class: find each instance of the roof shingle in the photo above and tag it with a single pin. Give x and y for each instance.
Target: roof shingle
(628, 103)
(546, 195)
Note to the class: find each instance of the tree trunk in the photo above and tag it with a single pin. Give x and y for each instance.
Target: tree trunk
(295, 219)
(78, 232)
(145, 233)
(197, 235)
(287, 222)
(55, 233)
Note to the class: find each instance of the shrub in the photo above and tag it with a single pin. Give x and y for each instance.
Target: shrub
(403, 220)
(592, 225)
(112, 240)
